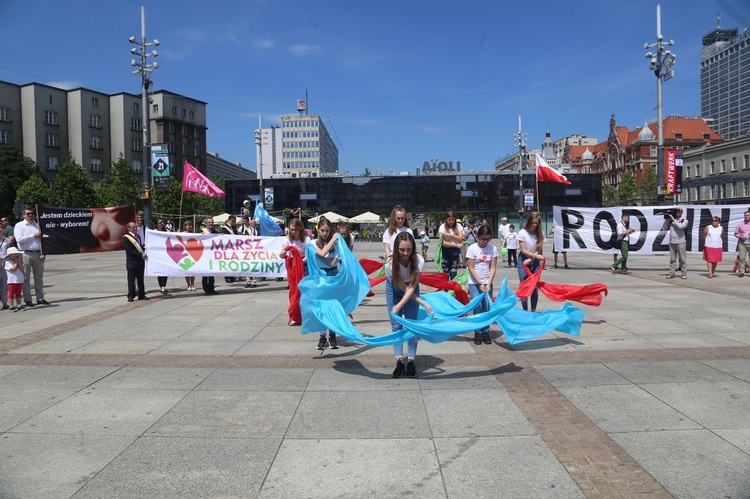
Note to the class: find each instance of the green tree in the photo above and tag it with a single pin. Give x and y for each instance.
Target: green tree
(72, 187)
(367, 172)
(609, 196)
(34, 192)
(648, 187)
(627, 192)
(120, 186)
(167, 201)
(14, 171)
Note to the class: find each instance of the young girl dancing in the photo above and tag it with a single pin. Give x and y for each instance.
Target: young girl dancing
(403, 269)
(327, 252)
(481, 258)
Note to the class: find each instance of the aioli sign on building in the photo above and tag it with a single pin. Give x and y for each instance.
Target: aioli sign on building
(440, 167)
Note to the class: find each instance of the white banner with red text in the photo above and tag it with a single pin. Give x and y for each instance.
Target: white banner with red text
(182, 254)
(594, 229)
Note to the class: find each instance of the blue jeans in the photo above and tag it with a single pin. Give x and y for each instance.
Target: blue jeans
(450, 261)
(394, 295)
(522, 277)
(482, 307)
(329, 272)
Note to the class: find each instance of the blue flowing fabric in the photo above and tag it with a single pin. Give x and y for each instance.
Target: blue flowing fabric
(328, 300)
(267, 226)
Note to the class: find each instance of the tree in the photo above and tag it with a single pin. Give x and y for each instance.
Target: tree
(609, 196)
(72, 187)
(627, 191)
(167, 201)
(649, 187)
(14, 171)
(34, 192)
(367, 172)
(120, 186)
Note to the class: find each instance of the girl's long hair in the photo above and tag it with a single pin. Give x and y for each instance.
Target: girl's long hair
(454, 229)
(296, 223)
(539, 232)
(413, 262)
(321, 223)
(392, 225)
(347, 237)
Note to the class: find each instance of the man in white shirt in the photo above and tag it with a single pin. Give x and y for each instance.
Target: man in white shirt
(502, 230)
(29, 240)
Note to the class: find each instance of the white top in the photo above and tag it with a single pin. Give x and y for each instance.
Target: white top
(24, 234)
(529, 240)
(713, 238)
(403, 271)
(482, 260)
(325, 262)
(442, 230)
(14, 276)
(470, 237)
(510, 240)
(4, 248)
(389, 238)
(620, 229)
(503, 230)
(300, 245)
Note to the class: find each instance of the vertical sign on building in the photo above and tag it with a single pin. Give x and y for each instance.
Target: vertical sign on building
(160, 165)
(670, 170)
(528, 198)
(268, 198)
(678, 173)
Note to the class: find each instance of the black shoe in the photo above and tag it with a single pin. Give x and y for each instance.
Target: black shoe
(6, 306)
(411, 369)
(333, 342)
(144, 297)
(130, 299)
(566, 267)
(400, 369)
(477, 339)
(486, 339)
(322, 344)
(42, 302)
(29, 304)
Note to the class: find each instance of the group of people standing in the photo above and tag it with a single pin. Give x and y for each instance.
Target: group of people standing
(22, 259)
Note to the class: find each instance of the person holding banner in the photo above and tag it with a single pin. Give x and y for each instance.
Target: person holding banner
(29, 240)
(208, 282)
(623, 239)
(187, 227)
(677, 242)
(135, 262)
(712, 236)
(530, 240)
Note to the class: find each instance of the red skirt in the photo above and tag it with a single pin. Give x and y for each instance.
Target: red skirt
(712, 255)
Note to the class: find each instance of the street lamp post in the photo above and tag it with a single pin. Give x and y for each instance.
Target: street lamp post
(145, 69)
(259, 136)
(520, 142)
(661, 65)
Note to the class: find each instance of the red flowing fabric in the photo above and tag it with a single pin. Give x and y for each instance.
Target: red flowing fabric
(295, 271)
(590, 294)
(439, 280)
(371, 266)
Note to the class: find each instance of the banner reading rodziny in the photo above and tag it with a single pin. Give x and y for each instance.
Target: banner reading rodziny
(83, 230)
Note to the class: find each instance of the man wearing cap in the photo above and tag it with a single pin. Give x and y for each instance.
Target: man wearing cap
(502, 230)
(28, 238)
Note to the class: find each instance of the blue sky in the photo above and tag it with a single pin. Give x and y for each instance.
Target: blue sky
(398, 83)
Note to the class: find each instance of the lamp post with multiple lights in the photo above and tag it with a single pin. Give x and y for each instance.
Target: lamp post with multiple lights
(520, 142)
(661, 65)
(145, 69)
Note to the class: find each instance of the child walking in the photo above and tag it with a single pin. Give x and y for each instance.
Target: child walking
(511, 244)
(481, 258)
(328, 260)
(403, 269)
(14, 274)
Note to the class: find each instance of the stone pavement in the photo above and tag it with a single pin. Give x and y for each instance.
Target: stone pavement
(215, 396)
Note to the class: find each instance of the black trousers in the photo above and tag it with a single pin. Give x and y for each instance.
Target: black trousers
(209, 284)
(136, 275)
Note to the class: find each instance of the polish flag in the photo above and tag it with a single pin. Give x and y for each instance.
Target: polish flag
(545, 173)
(195, 181)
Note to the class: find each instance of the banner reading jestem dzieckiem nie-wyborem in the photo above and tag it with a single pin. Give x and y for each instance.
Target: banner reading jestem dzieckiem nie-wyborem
(178, 254)
(594, 229)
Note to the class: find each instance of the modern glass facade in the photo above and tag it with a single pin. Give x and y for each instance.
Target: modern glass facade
(725, 82)
(465, 193)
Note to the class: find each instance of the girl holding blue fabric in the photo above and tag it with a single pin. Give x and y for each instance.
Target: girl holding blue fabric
(327, 252)
(481, 258)
(530, 240)
(403, 269)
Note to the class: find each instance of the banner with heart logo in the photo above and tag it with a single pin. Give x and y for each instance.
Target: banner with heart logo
(179, 254)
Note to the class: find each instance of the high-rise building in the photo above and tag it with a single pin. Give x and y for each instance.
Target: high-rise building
(227, 169)
(306, 149)
(725, 81)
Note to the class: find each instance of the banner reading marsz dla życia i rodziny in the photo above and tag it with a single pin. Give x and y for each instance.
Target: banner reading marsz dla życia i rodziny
(83, 230)
(180, 254)
(595, 229)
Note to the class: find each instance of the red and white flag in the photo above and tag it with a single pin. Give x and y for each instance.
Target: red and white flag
(545, 173)
(195, 181)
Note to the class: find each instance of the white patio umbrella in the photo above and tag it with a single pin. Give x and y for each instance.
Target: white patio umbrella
(367, 217)
(331, 216)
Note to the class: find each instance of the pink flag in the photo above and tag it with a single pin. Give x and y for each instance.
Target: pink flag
(195, 181)
(545, 173)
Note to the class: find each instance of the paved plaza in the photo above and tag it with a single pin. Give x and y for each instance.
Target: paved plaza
(215, 396)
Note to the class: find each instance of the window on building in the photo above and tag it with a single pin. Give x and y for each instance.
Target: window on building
(196, 151)
(4, 114)
(50, 117)
(706, 136)
(171, 146)
(192, 115)
(184, 130)
(95, 102)
(184, 149)
(136, 124)
(5, 137)
(137, 166)
(183, 112)
(196, 133)
(723, 165)
(135, 144)
(712, 168)
(95, 121)
(170, 127)
(52, 162)
(155, 108)
(698, 170)
(136, 107)
(747, 187)
(96, 142)
(677, 136)
(712, 192)
(50, 140)
(734, 163)
(174, 110)
(687, 171)
(96, 165)
(733, 190)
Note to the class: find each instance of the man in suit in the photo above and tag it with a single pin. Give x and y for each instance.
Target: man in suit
(209, 283)
(135, 262)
